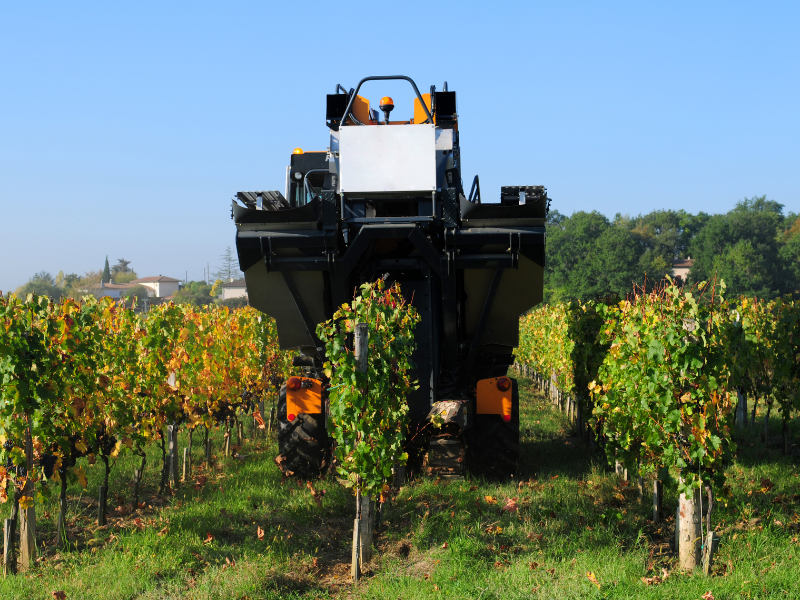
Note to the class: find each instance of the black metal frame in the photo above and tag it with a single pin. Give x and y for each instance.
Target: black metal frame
(383, 78)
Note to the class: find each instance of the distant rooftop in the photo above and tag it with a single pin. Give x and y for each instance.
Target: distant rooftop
(160, 278)
(239, 283)
(682, 262)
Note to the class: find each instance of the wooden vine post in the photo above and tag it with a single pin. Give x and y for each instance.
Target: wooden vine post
(360, 531)
(689, 530)
(27, 514)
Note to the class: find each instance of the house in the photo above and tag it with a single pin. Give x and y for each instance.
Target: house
(680, 269)
(160, 286)
(234, 289)
(112, 290)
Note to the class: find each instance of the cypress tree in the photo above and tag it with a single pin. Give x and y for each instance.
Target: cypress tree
(106, 278)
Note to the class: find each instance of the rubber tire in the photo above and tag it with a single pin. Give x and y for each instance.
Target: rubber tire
(304, 442)
(493, 443)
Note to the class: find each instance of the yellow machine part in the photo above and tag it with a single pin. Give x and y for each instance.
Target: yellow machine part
(419, 113)
(492, 401)
(305, 401)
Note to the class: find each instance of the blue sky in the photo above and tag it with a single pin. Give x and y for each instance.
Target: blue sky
(125, 128)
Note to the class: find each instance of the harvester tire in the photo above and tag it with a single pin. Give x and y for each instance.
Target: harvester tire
(303, 444)
(493, 443)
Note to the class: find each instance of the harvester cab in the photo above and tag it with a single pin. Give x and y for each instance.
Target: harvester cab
(385, 199)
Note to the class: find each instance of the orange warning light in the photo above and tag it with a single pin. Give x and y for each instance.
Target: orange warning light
(297, 151)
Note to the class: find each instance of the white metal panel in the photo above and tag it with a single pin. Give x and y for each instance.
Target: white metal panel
(393, 158)
(444, 139)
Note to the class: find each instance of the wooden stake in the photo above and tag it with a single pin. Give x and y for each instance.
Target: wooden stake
(27, 523)
(690, 531)
(355, 570)
(658, 501)
(101, 510)
(187, 466)
(361, 347)
(172, 433)
(367, 528)
(709, 549)
(741, 410)
(62, 540)
(9, 548)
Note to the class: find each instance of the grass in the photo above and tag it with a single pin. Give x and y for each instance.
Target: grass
(437, 540)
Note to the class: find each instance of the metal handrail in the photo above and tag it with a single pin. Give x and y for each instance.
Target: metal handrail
(381, 78)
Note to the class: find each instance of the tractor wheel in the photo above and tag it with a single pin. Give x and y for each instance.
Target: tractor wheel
(493, 443)
(303, 444)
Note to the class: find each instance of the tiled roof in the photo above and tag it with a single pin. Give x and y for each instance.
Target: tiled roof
(682, 262)
(238, 283)
(160, 278)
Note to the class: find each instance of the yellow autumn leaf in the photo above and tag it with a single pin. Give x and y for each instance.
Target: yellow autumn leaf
(80, 445)
(25, 502)
(79, 472)
(117, 448)
(591, 577)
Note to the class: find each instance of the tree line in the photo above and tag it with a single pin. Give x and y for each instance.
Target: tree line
(754, 248)
(75, 286)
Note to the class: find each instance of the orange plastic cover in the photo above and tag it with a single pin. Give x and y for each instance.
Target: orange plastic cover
(491, 401)
(419, 112)
(305, 401)
(361, 109)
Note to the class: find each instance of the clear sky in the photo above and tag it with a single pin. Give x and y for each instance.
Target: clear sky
(125, 128)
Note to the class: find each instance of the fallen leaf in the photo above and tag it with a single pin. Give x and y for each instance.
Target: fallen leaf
(163, 531)
(209, 539)
(60, 595)
(490, 500)
(708, 596)
(473, 488)
(138, 522)
(551, 571)
(315, 562)
(535, 536)
(231, 562)
(260, 533)
(511, 505)
(316, 495)
(444, 546)
(591, 577)
(533, 565)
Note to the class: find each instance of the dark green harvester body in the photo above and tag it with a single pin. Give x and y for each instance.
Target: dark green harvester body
(386, 200)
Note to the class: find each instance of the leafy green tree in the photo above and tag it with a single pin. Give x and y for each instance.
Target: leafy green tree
(197, 293)
(743, 248)
(120, 268)
(42, 284)
(233, 303)
(588, 257)
(790, 256)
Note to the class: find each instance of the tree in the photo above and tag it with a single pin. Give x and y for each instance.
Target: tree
(137, 291)
(196, 293)
(121, 267)
(230, 267)
(743, 248)
(588, 257)
(42, 284)
(216, 289)
(106, 278)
